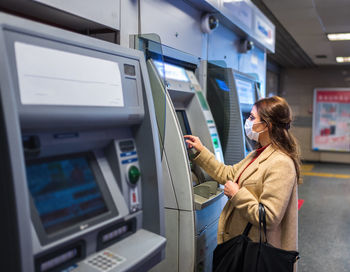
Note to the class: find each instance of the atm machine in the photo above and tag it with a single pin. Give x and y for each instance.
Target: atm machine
(84, 172)
(193, 201)
(231, 96)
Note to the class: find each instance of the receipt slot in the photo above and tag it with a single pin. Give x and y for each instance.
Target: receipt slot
(193, 200)
(83, 152)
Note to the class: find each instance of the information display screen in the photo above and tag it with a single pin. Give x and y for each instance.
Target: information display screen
(171, 71)
(48, 76)
(246, 91)
(182, 117)
(222, 85)
(65, 192)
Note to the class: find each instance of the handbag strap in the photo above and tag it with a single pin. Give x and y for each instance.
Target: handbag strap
(247, 229)
(262, 221)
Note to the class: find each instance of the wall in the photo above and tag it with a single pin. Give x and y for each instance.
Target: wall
(297, 86)
(223, 45)
(178, 26)
(272, 83)
(177, 23)
(129, 19)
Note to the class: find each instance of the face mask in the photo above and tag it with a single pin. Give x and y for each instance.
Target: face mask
(248, 127)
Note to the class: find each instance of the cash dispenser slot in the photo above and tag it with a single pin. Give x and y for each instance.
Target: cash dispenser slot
(61, 258)
(115, 233)
(31, 146)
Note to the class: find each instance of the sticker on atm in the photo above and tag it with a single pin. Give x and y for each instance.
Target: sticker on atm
(202, 100)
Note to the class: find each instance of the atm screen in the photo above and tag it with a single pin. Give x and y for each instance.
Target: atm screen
(246, 91)
(222, 85)
(65, 192)
(185, 126)
(171, 71)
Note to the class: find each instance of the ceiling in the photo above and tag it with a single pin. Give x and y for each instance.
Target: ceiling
(308, 22)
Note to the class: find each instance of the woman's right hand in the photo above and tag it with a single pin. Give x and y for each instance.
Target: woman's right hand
(194, 142)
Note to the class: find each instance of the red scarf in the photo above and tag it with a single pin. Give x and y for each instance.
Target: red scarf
(257, 154)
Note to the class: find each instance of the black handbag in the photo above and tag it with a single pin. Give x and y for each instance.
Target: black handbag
(241, 254)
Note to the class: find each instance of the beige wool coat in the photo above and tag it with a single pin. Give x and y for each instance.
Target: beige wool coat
(271, 180)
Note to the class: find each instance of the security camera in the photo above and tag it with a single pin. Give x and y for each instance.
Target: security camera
(245, 45)
(209, 22)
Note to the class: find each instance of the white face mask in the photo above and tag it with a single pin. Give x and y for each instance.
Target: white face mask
(248, 127)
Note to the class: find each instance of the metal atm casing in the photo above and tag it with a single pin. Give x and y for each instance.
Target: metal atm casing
(39, 131)
(224, 102)
(195, 211)
(191, 219)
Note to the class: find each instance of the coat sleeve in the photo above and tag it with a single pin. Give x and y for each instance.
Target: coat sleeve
(217, 170)
(278, 184)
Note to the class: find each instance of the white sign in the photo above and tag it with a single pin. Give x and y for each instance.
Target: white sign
(54, 77)
(264, 30)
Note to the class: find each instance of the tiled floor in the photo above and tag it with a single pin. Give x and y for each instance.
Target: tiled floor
(324, 219)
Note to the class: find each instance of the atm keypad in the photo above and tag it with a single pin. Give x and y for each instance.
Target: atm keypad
(105, 261)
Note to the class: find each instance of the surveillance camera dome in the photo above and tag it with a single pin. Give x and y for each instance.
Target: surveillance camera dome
(213, 22)
(250, 45)
(245, 45)
(209, 22)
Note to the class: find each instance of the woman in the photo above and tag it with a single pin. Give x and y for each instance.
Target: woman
(268, 175)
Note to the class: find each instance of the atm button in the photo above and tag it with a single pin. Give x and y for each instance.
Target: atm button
(133, 174)
(127, 154)
(216, 143)
(129, 160)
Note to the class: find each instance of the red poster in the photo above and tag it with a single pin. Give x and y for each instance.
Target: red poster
(328, 96)
(331, 120)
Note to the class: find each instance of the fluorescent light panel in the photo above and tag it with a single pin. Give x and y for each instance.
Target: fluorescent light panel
(339, 36)
(233, 1)
(343, 59)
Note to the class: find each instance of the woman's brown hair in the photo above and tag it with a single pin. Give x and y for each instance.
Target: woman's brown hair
(277, 114)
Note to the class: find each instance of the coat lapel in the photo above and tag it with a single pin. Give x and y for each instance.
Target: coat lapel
(255, 165)
(249, 171)
(229, 206)
(244, 165)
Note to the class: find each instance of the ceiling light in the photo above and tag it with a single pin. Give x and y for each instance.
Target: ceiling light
(233, 1)
(339, 36)
(343, 59)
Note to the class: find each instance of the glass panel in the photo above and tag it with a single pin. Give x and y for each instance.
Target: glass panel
(151, 45)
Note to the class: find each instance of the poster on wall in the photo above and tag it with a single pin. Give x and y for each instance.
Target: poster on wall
(331, 120)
